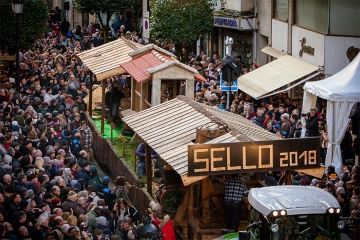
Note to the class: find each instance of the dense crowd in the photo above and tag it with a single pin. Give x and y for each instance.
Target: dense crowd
(49, 188)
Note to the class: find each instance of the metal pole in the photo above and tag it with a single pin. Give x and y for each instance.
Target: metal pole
(228, 100)
(17, 55)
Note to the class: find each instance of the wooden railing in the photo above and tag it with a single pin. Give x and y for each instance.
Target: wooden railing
(106, 154)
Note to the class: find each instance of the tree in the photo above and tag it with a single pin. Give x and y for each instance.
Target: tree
(32, 24)
(109, 7)
(181, 22)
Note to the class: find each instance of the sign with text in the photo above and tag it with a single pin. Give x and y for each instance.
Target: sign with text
(226, 22)
(231, 158)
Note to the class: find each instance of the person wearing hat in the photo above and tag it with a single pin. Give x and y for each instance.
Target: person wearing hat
(70, 204)
(298, 130)
(96, 180)
(75, 146)
(222, 105)
(106, 193)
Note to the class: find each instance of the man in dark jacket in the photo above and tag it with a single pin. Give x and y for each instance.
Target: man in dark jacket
(75, 143)
(312, 125)
(116, 96)
(84, 173)
(70, 204)
(106, 193)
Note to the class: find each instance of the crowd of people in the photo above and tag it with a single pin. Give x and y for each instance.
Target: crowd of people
(49, 186)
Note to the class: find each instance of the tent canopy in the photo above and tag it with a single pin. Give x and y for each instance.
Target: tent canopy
(342, 91)
(343, 86)
(274, 75)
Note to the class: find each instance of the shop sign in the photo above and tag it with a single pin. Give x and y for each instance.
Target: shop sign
(306, 49)
(226, 22)
(231, 158)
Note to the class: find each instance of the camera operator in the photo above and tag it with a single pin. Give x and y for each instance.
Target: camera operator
(312, 125)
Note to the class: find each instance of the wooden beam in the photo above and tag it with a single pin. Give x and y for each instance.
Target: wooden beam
(148, 169)
(142, 92)
(90, 93)
(191, 227)
(288, 177)
(103, 83)
(132, 93)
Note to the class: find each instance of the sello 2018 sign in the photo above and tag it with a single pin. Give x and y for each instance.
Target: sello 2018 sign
(228, 158)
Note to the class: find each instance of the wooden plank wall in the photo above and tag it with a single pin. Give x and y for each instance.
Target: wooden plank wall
(105, 154)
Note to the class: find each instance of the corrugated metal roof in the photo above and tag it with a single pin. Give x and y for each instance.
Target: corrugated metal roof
(104, 61)
(171, 126)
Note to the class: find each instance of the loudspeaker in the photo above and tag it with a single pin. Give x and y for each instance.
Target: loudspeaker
(66, 6)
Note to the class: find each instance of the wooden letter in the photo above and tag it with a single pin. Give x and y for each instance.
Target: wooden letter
(214, 159)
(271, 157)
(228, 161)
(199, 160)
(244, 161)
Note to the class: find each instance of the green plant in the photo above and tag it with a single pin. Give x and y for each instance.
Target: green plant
(32, 24)
(181, 22)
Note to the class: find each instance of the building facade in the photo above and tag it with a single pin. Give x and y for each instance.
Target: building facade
(324, 33)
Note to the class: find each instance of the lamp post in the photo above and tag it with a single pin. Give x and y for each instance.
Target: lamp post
(17, 6)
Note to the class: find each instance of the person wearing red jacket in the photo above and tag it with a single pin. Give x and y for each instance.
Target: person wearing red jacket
(164, 222)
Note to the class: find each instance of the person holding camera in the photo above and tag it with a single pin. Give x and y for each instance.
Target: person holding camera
(312, 125)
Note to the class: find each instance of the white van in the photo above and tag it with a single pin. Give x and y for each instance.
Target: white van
(291, 212)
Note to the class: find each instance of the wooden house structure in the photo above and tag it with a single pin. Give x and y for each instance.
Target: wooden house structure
(104, 62)
(170, 127)
(158, 77)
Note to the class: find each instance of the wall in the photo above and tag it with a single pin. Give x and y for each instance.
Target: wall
(263, 34)
(173, 73)
(335, 52)
(239, 5)
(314, 40)
(279, 33)
(264, 16)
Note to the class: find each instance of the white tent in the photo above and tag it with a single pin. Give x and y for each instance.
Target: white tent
(341, 91)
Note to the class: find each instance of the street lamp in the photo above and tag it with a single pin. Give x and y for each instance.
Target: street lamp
(17, 6)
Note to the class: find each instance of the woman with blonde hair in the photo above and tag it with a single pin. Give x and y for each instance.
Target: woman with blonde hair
(72, 220)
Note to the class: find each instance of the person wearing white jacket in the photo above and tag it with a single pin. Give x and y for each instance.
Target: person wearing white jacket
(48, 96)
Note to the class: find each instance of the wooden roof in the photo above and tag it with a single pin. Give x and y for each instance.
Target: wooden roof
(104, 61)
(150, 59)
(138, 67)
(171, 126)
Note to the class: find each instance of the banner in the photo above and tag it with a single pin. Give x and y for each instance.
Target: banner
(232, 158)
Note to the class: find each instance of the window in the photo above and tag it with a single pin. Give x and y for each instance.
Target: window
(345, 17)
(312, 14)
(281, 10)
